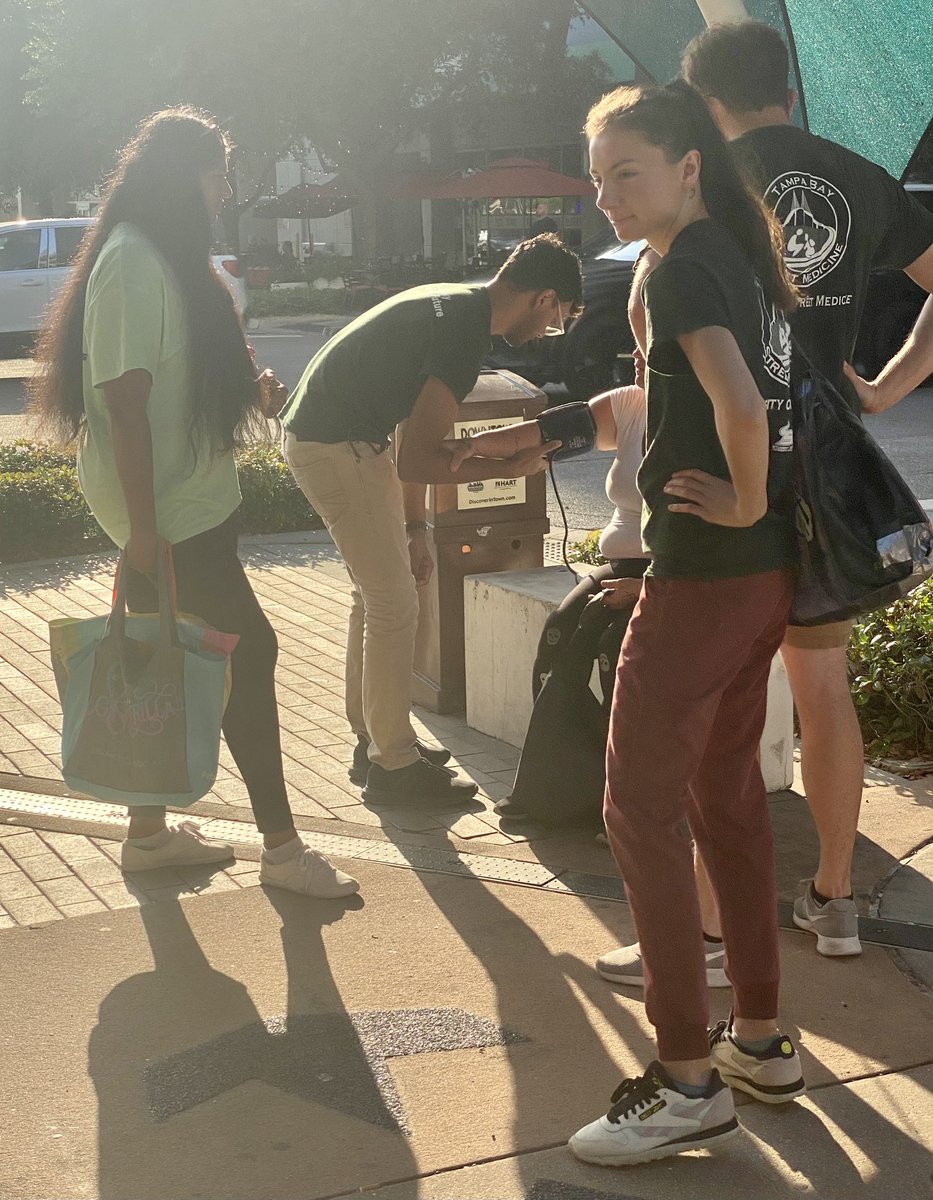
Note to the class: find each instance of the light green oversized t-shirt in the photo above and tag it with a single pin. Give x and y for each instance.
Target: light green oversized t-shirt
(135, 319)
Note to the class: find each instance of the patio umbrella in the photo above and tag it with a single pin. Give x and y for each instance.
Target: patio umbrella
(519, 177)
(306, 202)
(863, 68)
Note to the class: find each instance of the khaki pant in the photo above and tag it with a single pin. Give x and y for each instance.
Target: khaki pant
(356, 491)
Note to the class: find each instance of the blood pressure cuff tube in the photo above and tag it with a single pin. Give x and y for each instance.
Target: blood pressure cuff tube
(570, 424)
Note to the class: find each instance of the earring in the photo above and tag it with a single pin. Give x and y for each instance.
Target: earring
(692, 192)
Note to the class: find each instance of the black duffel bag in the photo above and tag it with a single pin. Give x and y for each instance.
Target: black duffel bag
(864, 538)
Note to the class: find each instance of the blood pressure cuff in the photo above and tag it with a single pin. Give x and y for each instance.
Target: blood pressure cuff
(570, 424)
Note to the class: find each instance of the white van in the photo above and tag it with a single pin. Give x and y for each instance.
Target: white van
(35, 258)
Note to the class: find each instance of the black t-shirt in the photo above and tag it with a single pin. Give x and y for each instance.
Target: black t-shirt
(843, 218)
(705, 280)
(367, 378)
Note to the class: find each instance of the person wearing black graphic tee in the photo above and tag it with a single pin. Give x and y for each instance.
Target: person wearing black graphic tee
(704, 282)
(689, 703)
(842, 218)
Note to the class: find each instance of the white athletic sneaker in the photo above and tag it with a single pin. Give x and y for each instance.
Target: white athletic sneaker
(626, 965)
(772, 1075)
(186, 846)
(309, 873)
(835, 923)
(650, 1118)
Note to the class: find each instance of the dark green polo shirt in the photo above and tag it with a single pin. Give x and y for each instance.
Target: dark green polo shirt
(366, 379)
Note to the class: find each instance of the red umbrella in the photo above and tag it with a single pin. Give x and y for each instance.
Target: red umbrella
(508, 177)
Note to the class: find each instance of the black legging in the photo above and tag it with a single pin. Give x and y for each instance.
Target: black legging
(580, 632)
(211, 584)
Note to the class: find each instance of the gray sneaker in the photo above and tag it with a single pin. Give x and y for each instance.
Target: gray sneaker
(835, 923)
(772, 1075)
(626, 965)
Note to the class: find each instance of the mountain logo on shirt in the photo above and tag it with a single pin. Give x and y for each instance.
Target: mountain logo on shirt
(816, 220)
(775, 340)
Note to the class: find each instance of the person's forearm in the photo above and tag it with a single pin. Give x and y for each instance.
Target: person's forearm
(435, 468)
(414, 501)
(912, 363)
(504, 442)
(132, 453)
(744, 436)
(740, 413)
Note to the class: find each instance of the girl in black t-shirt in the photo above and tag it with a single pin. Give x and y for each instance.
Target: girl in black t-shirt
(689, 703)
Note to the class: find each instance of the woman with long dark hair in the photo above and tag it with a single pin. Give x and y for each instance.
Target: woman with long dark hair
(689, 702)
(143, 360)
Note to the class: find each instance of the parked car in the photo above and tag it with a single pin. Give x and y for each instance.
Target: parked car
(35, 259)
(34, 264)
(595, 353)
(230, 270)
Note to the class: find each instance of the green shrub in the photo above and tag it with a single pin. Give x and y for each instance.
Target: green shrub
(322, 265)
(292, 302)
(44, 515)
(587, 551)
(27, 456)
(272, 500)
(891, 666)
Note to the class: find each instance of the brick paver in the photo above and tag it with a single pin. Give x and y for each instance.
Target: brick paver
(305, 591)
(70, 875)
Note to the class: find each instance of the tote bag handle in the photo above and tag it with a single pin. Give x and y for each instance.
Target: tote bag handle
(168, 613)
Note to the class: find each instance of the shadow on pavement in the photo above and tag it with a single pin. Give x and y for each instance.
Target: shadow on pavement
(178, 1052)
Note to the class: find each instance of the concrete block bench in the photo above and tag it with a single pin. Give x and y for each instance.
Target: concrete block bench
(503, 616)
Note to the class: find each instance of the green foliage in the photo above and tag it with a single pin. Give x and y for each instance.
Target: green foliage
(587, 551)
(354, 79)
(272, 500)
(323, 265)
(891, 666)
(25, 456)
(293, 301)
(43, 514)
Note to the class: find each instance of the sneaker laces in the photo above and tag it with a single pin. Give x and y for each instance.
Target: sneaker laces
(194, 829)
(718, 1033)
(310, 861)
(633, 1094)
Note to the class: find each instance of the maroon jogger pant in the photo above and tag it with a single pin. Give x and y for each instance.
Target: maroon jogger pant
(687, 717)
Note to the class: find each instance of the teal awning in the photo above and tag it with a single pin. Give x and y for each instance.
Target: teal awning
(864, 67)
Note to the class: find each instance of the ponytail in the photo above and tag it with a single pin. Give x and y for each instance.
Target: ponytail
(676, 119)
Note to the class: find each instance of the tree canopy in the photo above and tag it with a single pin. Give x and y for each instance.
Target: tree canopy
(352, 77)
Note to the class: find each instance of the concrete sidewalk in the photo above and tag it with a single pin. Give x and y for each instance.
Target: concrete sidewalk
(188, 1034)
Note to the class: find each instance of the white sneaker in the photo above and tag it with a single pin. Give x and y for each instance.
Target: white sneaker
(772, 1075)
(309, 873)
(186, 846)
(627, 966)
(650, 1119)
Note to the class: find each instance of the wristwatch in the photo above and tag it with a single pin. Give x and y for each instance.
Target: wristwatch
(415, 526)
